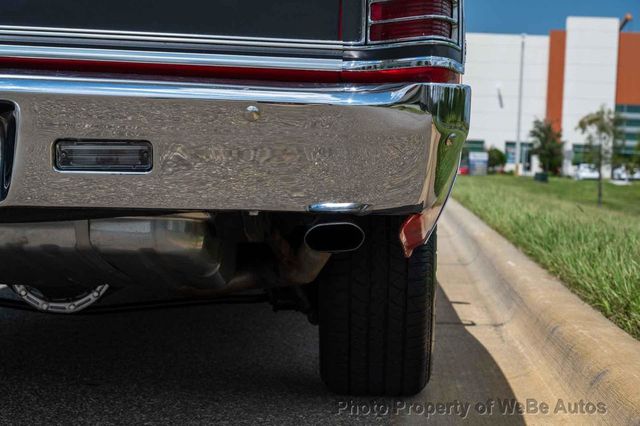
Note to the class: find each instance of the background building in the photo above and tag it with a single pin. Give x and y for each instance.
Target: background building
(566, 75)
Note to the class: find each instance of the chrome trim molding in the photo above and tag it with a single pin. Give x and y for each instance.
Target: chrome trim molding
(350, 208)
(206, 59)
(164, 37)
(55, 86)
(413, 18)
(159, 57)
(386, 147)
(427, 61)
(434, 41)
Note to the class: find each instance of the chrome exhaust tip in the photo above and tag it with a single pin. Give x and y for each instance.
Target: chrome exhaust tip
(334, 237)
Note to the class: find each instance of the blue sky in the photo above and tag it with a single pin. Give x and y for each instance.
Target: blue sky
(540, 16)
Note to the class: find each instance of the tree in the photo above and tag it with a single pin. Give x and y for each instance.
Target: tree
(497, 159)
(602, 130)
(547, 146)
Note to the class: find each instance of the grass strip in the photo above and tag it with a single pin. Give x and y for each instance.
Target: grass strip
(595, 251)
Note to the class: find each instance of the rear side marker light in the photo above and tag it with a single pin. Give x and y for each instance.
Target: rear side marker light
(414, 232)
(103, 156)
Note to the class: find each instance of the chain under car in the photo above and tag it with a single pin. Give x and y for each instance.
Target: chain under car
(284, 299)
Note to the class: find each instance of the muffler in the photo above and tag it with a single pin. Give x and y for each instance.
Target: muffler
(334, 237)
(165, 251)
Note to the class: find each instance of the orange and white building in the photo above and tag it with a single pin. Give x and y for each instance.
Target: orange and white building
(566, 75)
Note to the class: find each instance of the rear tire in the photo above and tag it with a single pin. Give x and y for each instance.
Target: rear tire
(376, 311)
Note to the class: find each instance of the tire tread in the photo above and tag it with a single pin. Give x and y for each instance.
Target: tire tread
(376, 315)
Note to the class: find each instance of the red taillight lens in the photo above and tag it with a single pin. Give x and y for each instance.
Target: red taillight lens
(406, 8)
(408, 19)
(410, 29)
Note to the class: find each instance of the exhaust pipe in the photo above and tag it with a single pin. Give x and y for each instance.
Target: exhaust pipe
(302, 266)
(334, 237)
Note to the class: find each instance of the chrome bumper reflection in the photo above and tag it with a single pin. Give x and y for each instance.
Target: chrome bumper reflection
(232, 147)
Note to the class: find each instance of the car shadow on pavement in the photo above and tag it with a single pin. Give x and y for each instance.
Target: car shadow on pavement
(236, 364)
(464, 371)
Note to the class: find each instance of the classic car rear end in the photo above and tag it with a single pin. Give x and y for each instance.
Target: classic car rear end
(305, 149)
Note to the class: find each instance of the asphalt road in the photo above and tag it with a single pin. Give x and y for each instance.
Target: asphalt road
(245, 364)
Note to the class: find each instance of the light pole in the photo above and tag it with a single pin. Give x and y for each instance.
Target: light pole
(519, 121)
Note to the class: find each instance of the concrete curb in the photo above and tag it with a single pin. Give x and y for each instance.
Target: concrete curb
(590, 356)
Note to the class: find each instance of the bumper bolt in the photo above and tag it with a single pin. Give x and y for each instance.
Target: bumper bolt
(252, 113)
(450, 139)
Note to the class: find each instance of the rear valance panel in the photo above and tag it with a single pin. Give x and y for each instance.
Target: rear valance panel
(281, 19)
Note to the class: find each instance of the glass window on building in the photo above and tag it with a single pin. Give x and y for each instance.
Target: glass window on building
(525, 154)
(632, 136)
(474, 146)
(631, 109)
(580, 154)
(471, 146)
(631, 123)
(629, 116)
(629, 151)
(630, 129)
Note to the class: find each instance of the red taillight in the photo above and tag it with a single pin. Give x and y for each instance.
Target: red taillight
(408, 19)
(409, 8)
(410, 29)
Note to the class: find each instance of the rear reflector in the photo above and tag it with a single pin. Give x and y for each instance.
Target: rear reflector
(103, 156)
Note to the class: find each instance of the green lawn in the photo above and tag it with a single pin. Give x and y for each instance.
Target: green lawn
(595, 251)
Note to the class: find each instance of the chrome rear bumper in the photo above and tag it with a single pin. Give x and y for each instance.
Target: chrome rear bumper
(335, 148)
